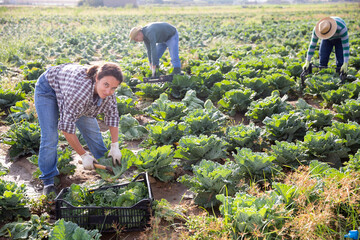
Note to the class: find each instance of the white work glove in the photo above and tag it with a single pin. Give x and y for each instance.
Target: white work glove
(115, 153)
(344, 68)
(88, 161)
(306, 65)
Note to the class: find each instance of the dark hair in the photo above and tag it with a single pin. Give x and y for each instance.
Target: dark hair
(107, 69)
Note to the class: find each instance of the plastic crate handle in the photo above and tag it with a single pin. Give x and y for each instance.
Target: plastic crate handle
(145, 176)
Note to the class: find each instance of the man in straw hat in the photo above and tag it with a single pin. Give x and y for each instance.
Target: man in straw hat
(157, 37)
(333, 33)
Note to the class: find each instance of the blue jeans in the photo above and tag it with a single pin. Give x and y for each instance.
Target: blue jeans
(173, 45)
(326, 47)
(48, 114)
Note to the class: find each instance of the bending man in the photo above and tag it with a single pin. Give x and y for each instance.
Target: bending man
(157, 37)
(333, 33)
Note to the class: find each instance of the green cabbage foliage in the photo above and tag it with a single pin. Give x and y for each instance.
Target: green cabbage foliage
(150, 90)
(209, 179)
(211, 77)
(183, 83)
(295, 69)
(13, 201)
(24, 138)
(348, 110)
(247, 73)
(127, 160)
(163, 109)
(224, 65)
(158, 162)
(287, 193)
(349, 131)
(37, 228)
(353, 165)
(126, 105)
(108, 196)
(289, 154)
(8, 98)
(281, 82)
(124, 90)
(326, 147)
(130, 128)
(285, 126)
(165, 133)
(259, 84)
(69, 230)
(191, 101)
(241, 136)
(260, 109)
(195, 148)
(248, 213)
(353, 87)
(220, 88)
(319, 170)
(317, 84)
(32, 73)
(236, 100)
(335, 96)
(315, 118)
(26, 86)
(21, 111)
(255, 165)
(205, 121)
(64, 164)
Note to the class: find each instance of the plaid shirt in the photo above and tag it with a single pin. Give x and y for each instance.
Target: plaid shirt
(75, 96)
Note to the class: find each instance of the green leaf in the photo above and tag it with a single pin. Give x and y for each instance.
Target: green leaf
(163, 109)
(193, 149)
(131, 128)
(158, 162)
(127, 160)
(255, 165)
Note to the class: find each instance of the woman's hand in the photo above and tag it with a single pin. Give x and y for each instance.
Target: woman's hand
(88, 161)
(115, 153)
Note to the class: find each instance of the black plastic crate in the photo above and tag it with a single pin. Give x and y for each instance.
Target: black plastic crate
(134, 218)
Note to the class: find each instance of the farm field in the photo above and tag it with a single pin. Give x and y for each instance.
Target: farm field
(235, 148)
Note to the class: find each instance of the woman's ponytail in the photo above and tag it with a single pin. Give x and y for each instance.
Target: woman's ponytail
(92, 71)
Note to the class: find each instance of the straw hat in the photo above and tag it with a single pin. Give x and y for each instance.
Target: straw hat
(133, 32)
(326, 28)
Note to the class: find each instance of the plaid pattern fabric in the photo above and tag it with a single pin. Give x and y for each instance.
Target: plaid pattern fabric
(341, 32)
(75, 96)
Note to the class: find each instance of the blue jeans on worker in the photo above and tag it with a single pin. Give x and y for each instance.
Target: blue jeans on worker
(173, 45)
(48, 114)
(326, 47)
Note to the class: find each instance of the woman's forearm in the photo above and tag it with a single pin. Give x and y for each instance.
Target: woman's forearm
(114, 132)
(74, 143)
